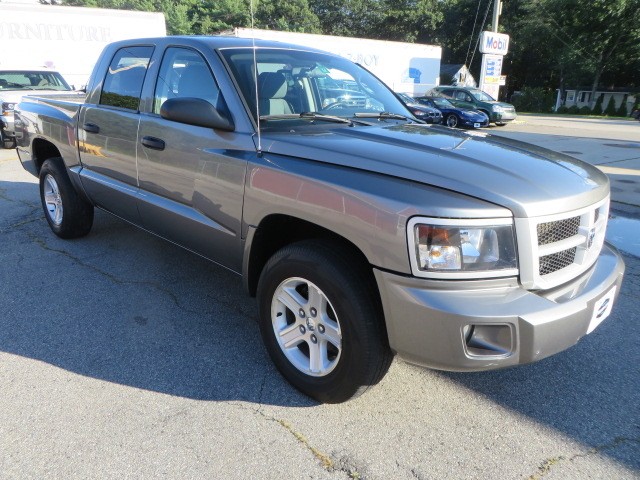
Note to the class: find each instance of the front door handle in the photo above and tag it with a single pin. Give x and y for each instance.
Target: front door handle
(91, 128)
(153, 143)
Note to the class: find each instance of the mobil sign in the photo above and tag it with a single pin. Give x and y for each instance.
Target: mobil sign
(496, 43)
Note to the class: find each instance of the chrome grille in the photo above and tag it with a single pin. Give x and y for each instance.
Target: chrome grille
(557, 261)
(556, 248)
(551, 232)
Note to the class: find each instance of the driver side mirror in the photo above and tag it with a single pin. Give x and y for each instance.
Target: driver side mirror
(196, 111)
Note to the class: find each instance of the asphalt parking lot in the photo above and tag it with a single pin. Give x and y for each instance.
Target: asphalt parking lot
(123, 356)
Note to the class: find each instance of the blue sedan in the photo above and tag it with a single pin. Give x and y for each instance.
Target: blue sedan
(421, 111)
(454, 116)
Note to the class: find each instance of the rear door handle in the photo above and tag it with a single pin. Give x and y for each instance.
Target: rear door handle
(91, 128)
(153, 143)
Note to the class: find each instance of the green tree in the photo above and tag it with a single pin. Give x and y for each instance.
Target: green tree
(622, 109)
(584, 41)
(411, 20)
(353, 18)
(610, 110)
(212, 16)
(288, 15)
(597, 109)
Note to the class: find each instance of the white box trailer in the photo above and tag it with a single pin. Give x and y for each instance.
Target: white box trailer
(67, 39)
(405, 67)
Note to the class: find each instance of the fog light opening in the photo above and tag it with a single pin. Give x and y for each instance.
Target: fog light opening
(488, 340)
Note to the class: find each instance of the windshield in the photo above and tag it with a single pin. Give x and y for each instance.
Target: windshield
(442, 103)
(406, 98)
(32, 80)
(481, 96)
(292, 82)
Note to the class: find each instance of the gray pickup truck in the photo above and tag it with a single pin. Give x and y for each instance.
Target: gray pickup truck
(363, 232)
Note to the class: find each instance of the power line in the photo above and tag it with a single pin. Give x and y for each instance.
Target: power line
(472, 32)
(484, 21)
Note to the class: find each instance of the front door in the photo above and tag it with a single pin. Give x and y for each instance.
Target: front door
(191, 178)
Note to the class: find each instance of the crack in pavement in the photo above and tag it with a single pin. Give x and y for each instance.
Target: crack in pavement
(545, 468)
(4, 196)
(118, 281)
(23, 220)
(327, 463)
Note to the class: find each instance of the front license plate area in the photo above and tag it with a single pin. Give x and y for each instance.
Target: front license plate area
(476, 125)
(602, 309)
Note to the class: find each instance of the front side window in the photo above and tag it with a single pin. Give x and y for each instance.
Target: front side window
(125, 76)
(442, 103)
(185, 73)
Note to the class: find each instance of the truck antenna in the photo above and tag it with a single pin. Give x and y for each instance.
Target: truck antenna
(255, 79)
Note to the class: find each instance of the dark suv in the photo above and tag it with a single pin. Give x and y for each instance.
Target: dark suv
(499, 113)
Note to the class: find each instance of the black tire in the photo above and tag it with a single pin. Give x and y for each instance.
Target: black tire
(6, 143)
(452, 120)
(500, 124)
(68, 214)
(352, 315)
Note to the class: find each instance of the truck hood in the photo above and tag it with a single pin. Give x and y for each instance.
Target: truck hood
(528, 180)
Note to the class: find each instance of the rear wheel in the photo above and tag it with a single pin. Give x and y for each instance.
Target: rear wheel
(452, 120)
(321, 321)
(68, 214)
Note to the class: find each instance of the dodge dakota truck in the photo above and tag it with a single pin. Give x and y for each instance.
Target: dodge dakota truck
(363, 232)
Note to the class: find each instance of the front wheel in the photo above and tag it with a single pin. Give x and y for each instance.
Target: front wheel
(68, 214)
(6, 142)
(500, 124)
(321, 321)
(452, 120)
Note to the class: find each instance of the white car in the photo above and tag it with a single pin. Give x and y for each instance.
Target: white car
(15, 83)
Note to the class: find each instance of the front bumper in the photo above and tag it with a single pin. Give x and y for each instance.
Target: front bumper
(7, 125)
(503, 117)
(471, 123)
(428, 322)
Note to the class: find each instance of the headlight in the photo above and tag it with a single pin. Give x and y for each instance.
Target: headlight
(444, 248)
(497, 108)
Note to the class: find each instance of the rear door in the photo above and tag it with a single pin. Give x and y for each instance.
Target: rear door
(108, 131)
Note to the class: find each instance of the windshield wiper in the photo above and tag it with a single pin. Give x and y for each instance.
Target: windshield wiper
(392, 116)
(310, 115)
(314, 116)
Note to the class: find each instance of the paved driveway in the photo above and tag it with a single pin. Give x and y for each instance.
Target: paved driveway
(122, 356)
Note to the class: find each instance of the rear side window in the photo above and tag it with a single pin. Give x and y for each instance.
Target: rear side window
(124, 79)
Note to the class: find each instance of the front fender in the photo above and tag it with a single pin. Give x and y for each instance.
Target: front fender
(370, 210)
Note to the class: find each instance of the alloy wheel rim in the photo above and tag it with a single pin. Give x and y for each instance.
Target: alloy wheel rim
(53, 200)
(306, 327)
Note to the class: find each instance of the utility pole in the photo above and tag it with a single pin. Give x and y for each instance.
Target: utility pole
(497, 6)
(493, 46)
